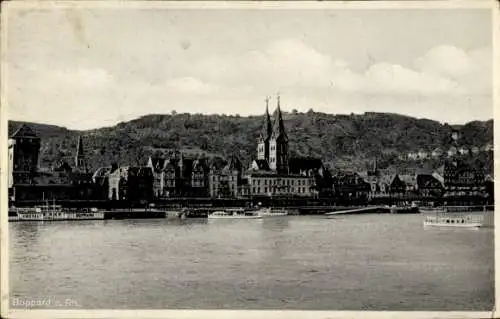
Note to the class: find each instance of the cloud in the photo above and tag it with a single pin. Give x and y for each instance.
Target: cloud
(190, 85)
(386, 78)
(93, 78)
(445, 60)
(291, 63)
(89, 96)
(472, 69)
(284, 63)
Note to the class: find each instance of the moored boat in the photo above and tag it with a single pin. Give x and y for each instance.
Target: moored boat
(268, 212)
(441, 217)
(452, 220)
(404, 210)
(53, 213)
(234, 214)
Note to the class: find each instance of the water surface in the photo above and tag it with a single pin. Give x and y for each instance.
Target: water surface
(364, 262)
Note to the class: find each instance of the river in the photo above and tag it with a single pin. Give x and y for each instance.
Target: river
(355, 262)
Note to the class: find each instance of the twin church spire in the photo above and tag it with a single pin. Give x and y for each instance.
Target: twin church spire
(273, 141)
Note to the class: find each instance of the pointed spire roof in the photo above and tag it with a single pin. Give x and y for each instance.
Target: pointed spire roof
(234, 163)
(267, 128)
(279, 126)
(80, 162)
(79, 147)
(24, 131)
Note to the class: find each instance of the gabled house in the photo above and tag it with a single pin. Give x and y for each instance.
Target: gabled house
(199, 178)
(131, 183)
(350, 185)
(429, 186)
(226, 179)
(157, 165)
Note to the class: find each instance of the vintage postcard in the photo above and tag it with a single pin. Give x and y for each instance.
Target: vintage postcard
(248, 159)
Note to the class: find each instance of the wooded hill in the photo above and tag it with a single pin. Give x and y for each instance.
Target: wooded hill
(341, 141)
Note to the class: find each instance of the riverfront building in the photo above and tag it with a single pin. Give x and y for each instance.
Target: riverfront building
(179, 175)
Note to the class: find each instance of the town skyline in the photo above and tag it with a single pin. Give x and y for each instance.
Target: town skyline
(60, 61)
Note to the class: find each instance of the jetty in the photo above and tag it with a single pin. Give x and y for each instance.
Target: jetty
(361, 210)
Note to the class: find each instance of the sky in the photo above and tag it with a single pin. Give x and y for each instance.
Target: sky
(85, 68)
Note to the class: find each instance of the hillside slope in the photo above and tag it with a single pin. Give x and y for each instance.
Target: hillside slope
(342, 141)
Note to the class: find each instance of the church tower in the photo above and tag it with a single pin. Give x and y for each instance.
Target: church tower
(80, 162)
(24, 149)
(265, 136)
(278, 144)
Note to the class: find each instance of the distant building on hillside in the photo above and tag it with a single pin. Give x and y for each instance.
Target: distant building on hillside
(488, 147)
(463, 150)
(422, 154)
(437, 152)
(452, 151)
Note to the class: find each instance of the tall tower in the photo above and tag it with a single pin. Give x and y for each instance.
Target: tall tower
(278, 144)
(80, 161)
(24, 148)
(265, 136)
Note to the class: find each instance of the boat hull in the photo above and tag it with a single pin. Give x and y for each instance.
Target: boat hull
(457, 220)
(234, 217)
(273, 214)
(36, 214)
(469, 225)
(270, 213)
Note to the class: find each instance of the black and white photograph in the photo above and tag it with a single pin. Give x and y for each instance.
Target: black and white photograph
(311, 157)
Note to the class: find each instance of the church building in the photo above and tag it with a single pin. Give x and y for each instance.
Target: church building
(274, 172)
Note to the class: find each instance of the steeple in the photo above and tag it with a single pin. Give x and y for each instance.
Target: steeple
(80, 162)
(265, 135)
(278, 144)
(279, 126)
(267, 128)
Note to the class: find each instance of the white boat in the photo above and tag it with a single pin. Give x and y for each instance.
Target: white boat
(53, 213)
(234, 214)
(268, 212)
(460, 220)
